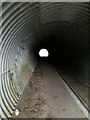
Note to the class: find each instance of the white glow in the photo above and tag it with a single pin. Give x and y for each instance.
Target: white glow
(43, 53)
(17, 112)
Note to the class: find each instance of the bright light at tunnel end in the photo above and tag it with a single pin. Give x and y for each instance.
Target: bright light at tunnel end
(43, 53)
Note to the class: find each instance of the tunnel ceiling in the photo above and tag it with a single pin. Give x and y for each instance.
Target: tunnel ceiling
(29, 26)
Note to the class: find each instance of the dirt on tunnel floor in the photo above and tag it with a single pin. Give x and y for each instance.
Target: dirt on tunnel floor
(45, 96)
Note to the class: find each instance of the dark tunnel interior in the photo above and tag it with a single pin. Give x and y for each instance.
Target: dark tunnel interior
(61, 28)
(67, 45)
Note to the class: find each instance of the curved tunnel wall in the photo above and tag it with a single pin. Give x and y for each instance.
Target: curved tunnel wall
(24, 26)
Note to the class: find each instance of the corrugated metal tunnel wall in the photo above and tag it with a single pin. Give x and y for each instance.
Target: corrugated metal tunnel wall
(19, 25)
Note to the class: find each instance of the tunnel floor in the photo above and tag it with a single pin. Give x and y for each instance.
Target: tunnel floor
(45, 96)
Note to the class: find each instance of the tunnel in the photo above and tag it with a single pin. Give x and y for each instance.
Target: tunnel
(28, 27)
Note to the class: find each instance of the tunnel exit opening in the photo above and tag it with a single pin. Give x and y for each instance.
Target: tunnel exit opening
(43, 53)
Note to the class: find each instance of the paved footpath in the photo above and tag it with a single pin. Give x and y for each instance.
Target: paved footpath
(46, 96)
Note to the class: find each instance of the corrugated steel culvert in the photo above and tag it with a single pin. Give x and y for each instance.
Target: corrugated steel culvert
(26, 28)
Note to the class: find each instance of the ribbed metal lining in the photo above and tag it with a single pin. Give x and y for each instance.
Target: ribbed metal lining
(18, 21)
